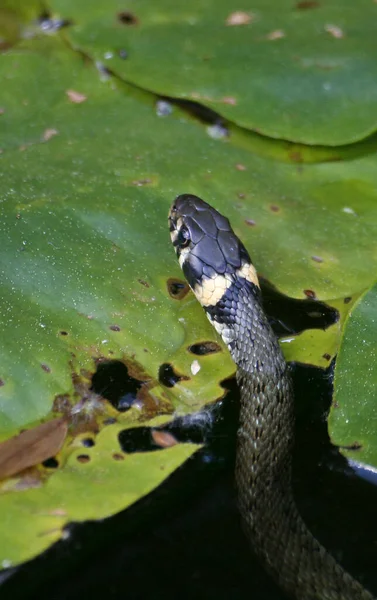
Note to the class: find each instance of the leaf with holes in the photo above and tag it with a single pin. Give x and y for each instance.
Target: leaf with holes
(90, 282)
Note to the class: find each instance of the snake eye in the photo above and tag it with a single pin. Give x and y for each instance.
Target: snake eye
(183, 237)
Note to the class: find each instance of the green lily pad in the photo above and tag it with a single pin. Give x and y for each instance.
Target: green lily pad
(353, 416)
(89, 170)
(95, 483)
(303, 71)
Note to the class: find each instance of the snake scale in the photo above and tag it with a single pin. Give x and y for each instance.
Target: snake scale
(222, 277)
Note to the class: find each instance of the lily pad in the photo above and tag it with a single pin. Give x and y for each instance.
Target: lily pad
(95, 483)
(353, 416)
(303, 72)
(89, 170)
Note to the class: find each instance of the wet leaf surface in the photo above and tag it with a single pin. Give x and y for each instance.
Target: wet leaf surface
(265, 69)
(89, 281)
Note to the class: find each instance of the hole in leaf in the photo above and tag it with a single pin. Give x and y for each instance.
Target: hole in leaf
(88, 442)
(113, 382)
(51, 463)
(83, 458)
(203, 348)
(192, 428)
(291, 316)
(177, 288)
(127, 18)
(168, 377)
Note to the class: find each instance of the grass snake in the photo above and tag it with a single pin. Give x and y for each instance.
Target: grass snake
(223, 278)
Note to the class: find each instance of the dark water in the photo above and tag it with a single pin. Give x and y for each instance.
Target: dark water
(184, 540)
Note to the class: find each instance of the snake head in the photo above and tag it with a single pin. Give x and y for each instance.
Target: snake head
(209, 253)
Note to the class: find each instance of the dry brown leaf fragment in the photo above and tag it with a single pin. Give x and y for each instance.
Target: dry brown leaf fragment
(32, 447)
(240, 17)
(76, 97)
(163, 438)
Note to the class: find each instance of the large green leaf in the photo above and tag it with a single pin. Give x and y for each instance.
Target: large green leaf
(353, 416)
(302, 71)
(88, 173)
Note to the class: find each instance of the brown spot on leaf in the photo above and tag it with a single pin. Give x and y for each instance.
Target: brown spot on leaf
(310, 294)
(141, 182)
(203, 348)
(164, 439)
(274, 208)
(250, 222)
(347, 300)
(63, 332)
(354, 446)
(32, 447)
(326, 356)
(277, 34)
(58, 512)
(295, 156)
(335, 31)
(46, 368)
(144, 283)
(48, 134)
(177, 288)
(118, 456)
(127, 18)
(83, 458)
(229, 100)
(317, 259)
(114, 327)
(62, 404)
(239, 18)
(2, 382)
(240, 167)
(76, 97)
(305, 4)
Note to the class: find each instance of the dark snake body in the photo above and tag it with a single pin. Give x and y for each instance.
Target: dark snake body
(220, 272)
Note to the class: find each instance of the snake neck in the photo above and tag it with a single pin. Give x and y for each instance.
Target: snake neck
(302, 567)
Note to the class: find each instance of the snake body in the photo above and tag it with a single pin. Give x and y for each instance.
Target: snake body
(220, 272)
